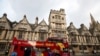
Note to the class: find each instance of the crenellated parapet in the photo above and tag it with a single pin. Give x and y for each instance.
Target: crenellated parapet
(61, 11)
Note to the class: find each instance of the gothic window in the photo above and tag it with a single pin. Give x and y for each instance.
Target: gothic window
(53, 17)
(21, 34)
(1, 31)
(42, 33)
(95, 47)
(62, 18)
(73, 37)
(2, 46)
(57, 16)
(98, 37)
(82, 47)
(42, 36)
(87, 37)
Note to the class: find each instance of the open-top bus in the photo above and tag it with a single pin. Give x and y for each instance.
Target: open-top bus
(39, 48)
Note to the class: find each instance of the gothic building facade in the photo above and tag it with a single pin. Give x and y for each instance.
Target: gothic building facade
(80, 40)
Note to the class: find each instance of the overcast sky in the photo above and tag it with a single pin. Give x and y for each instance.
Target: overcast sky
(77, 11)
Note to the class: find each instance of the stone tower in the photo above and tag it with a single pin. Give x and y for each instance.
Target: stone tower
(57, 23)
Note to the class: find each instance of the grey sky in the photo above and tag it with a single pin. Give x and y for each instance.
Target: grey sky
(77, 11)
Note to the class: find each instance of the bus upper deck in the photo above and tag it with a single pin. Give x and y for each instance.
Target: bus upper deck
(35, 48)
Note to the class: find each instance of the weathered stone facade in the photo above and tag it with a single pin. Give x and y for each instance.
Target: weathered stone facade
(80, 40)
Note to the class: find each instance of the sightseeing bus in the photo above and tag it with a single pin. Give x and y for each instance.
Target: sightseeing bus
(39, 48)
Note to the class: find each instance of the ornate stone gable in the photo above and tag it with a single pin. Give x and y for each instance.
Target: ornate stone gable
(83, 30)
(43, 23)
(41, 26)
(23, 25)
(4, 22)
(72, 29)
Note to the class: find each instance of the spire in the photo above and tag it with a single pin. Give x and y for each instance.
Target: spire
(93, 22)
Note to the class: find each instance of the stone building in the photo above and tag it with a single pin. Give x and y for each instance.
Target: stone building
(57, 23)
(80, 40)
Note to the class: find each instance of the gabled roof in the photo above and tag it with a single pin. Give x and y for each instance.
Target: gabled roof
(5, 17)
(24, 21)
(71, 26)
(72, 29)
(43, 23)
(83, 27)
(84, 30)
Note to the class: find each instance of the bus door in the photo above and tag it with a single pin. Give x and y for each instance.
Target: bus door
(27, 51)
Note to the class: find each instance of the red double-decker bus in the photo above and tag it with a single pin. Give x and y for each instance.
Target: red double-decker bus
(52, 46)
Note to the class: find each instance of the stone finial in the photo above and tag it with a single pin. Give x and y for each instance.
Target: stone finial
(37, 18)
(82, 25)
(5, 14)
(71, 23)
(36, 21)
(24, 16)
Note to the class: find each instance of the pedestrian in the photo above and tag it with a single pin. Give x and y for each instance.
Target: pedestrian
(56, 53)
(14, 53)
(50, 53)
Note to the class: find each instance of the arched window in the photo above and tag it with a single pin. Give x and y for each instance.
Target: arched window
(62, 18)
(53, 17)
(1, 31)
(98, 37)
(87, 36)
(73, 37)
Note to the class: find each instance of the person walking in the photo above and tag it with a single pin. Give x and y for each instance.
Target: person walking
(14, 53)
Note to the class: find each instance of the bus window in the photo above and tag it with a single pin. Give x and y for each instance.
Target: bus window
(27, 51)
